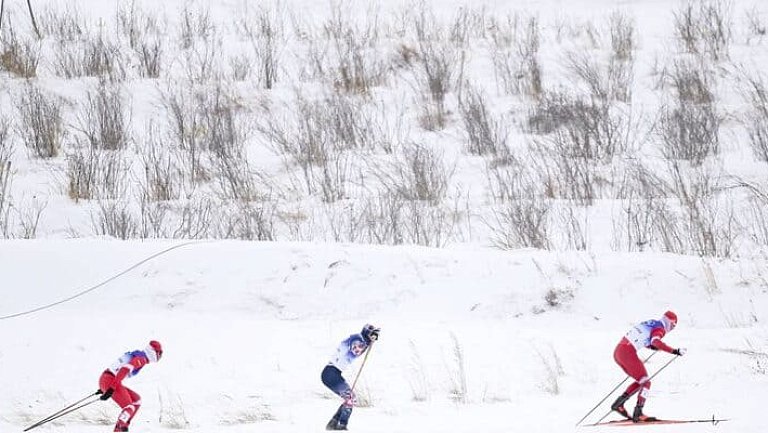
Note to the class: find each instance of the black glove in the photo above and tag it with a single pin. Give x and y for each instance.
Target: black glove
(107, 394)
(679, 351)
(374, 335)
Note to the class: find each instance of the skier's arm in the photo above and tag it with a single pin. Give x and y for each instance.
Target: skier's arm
(126, 369)
(656, 342)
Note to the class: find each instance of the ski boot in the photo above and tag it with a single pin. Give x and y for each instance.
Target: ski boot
(638, 416)
(618, 406)
(333, 424)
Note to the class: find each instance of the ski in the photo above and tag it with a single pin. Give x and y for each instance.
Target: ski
(628, 422)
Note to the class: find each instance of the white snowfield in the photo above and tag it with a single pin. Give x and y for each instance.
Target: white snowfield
(472, 339)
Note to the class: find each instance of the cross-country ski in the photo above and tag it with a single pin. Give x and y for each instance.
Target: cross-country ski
(627, 423)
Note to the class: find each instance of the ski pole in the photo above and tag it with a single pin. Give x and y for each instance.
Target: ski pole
(649, 379)
(71, 408)
(55, 414)
(362, 364)
(62, 414)
(612, 391)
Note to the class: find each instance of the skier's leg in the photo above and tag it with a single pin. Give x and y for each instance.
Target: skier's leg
(123, 398)
(346, 408)
(626, 357)
(645, 387)
(124, 419)
(105, 380)
(333, 379)
(640, 374)
(136, 403)
(635, 368)
(333, 423)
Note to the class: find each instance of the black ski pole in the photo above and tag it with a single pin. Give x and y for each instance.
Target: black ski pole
(654, 375)
(53, 415)
(71, 408)
(62, 414)
(612, 391)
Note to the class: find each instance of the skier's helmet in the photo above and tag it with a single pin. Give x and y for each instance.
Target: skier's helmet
(154, 351)
(670, 320)
(370, 333)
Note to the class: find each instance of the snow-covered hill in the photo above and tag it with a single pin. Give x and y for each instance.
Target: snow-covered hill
(471, 338)
(617, 126)
(161, 120)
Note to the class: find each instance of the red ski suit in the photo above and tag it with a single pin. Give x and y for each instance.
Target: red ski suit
(647, 334)
(112, 378)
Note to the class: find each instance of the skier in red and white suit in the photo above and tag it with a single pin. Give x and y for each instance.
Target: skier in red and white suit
(111, 381)
(648, 335)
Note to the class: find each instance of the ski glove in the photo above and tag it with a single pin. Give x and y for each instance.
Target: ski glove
(107, 394)
(679, 352)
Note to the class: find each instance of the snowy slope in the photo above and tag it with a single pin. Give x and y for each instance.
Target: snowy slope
(473, 339)
(248, 326)
(566, 27)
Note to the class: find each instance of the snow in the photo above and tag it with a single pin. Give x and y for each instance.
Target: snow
(248, 326)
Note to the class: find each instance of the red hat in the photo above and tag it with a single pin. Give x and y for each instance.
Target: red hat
(671, 318)
(157, 348)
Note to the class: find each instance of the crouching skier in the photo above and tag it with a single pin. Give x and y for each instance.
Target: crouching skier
(349, 350)
(645, 335)
(111, 381)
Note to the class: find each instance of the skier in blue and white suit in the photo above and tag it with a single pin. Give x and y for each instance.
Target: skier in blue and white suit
(349, 350)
